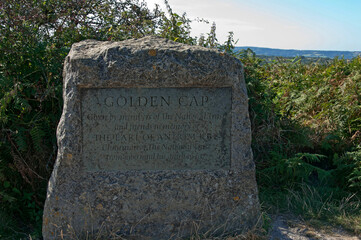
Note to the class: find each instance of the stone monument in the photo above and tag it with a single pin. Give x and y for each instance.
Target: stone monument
(154, 143)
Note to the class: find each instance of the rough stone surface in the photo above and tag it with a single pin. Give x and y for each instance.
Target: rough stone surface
(156, 128)
(86, 203)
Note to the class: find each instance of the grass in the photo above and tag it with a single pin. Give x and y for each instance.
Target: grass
(318, 206)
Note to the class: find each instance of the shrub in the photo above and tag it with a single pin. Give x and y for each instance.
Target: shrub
(305, 120)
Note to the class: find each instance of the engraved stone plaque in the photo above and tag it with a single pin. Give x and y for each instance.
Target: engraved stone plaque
(154, 143)
(156, 128)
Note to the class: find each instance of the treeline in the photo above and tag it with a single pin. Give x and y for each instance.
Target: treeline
(306, 118)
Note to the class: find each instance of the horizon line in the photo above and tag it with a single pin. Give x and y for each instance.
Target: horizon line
(292, 49)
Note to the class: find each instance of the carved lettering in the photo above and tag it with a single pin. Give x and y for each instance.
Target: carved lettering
(156, 129)
(154, 101)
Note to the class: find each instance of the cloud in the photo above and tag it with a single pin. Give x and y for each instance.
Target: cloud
(263, 23)
(226, 14)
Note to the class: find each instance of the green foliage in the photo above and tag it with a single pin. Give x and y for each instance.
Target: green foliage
(353, 167)
(296, 169)
(306, 120)
(175, 27)
(229, 45)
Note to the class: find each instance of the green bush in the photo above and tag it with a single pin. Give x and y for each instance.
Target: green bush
(305, 120)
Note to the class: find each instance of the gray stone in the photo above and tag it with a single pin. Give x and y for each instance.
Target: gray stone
(154, 143)
(156, 128)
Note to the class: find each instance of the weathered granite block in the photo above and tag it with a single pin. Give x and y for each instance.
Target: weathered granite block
(154, 143)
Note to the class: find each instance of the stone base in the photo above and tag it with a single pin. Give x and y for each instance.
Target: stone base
(153, 205)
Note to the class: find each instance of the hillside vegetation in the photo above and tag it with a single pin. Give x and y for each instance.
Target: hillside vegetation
(306, 117)
(301, 53)
(306, 125)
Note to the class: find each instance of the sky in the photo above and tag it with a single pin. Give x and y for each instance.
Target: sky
(284, 24)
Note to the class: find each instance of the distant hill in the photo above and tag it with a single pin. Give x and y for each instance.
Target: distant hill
(305, 53)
